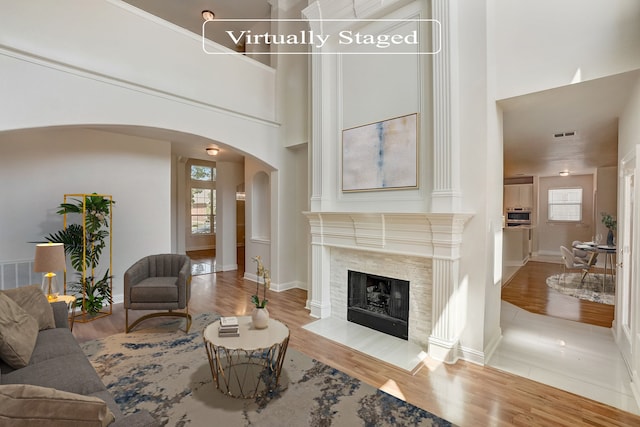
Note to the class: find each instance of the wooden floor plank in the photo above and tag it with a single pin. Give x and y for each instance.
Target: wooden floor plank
(527, 289)
(464, 393)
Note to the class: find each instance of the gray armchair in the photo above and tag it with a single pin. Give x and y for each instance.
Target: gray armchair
(158, 282)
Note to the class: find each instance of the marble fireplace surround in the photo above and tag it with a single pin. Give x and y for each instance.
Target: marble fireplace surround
(422, 248)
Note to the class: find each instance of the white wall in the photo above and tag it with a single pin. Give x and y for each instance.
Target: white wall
(38, 167)
(75, 73)
(629, 127)
(56, 96)
(254, 243)
(292, 100)
(292, 226)
(369, 89)
(481, 180)
(132, 46)
(300, 257)
(547, 43)
(229, 176)
(606, 197)
(628, 142)
(552, 235)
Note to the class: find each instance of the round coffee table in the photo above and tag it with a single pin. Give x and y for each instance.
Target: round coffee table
(248, 365)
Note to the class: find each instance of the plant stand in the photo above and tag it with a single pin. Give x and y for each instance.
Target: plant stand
(82, 315)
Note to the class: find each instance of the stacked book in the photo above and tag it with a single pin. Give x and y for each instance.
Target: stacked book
(229, 327)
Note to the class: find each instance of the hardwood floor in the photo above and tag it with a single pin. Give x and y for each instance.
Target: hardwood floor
(527, 289)
(465, 394)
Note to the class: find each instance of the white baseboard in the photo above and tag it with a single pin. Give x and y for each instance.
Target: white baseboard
(635, 388)
(199, 248)
(278, 287)
(516, 263)
(549, 253)
(473, 356)
(229, 267)
(492, 346)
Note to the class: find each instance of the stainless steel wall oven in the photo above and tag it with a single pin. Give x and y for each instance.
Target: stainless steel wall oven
(518, 216)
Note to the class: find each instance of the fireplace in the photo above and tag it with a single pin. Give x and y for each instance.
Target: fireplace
(380, 303)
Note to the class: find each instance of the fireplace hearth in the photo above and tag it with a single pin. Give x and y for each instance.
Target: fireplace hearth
(380, 303)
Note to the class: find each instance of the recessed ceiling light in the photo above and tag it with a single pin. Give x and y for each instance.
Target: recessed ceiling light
(563, 173)
(208, 15)
(212, 151)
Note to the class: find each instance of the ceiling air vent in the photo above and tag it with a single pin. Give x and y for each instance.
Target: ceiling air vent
(565, 136)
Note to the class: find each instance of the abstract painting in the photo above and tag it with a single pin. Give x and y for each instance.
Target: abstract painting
(380, 156)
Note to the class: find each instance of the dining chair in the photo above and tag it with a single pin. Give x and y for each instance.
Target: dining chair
(580, 253)
(572, 262)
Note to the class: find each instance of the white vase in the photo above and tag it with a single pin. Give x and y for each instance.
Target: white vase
(260, 318)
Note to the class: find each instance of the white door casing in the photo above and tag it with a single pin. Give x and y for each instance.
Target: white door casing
(627, 323)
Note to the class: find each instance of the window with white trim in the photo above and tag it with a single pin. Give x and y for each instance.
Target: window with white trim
(565, 204)
(203, 200)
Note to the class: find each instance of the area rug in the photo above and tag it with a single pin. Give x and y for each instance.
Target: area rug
(590, 289)
(166, 372)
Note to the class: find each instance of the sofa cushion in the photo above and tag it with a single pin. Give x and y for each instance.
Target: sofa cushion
(155, 289)
(53, 343)
(18, 333)
(29, 405)
(72, 372)
(33, 301)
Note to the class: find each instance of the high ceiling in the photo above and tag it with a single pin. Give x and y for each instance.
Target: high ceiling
(188, 14)
(591, 109)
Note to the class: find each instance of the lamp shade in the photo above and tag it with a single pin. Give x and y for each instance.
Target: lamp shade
(49, 258)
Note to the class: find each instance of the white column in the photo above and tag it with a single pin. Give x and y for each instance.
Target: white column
(320, 300)
(315, 153)
(446, 195)
(449, 301)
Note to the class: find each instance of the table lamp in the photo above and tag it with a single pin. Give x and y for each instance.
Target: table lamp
(49, 258)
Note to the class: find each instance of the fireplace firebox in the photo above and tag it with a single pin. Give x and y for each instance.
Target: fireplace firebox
(380, 303)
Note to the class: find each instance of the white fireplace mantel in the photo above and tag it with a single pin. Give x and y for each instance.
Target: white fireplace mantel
(430, 235)
(436, 236)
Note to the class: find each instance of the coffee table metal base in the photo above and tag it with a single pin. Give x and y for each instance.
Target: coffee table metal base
(246, 373)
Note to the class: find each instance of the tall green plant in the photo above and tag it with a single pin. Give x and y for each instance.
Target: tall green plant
(84, 245)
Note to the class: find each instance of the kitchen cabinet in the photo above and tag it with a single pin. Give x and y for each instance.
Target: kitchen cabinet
(516, 245)
(518, 196)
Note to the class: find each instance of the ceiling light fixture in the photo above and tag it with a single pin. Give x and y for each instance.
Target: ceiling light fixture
(564, 173)
(213, 151)
(208, 15)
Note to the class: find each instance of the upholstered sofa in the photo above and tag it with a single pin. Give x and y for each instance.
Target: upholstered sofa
(54, 384)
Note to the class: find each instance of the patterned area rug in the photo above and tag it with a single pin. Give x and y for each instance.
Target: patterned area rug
(166, 372)
(590, 289)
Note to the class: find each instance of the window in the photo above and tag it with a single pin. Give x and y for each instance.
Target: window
(203, 173)
(565, 204)
(203, 200)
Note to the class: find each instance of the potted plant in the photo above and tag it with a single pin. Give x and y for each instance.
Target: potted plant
(84, 244)
(610, 222)
(260, 314)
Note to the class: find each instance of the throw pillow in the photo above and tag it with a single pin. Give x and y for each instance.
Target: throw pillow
(29, 405)
(33, 301)
(18, 333)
